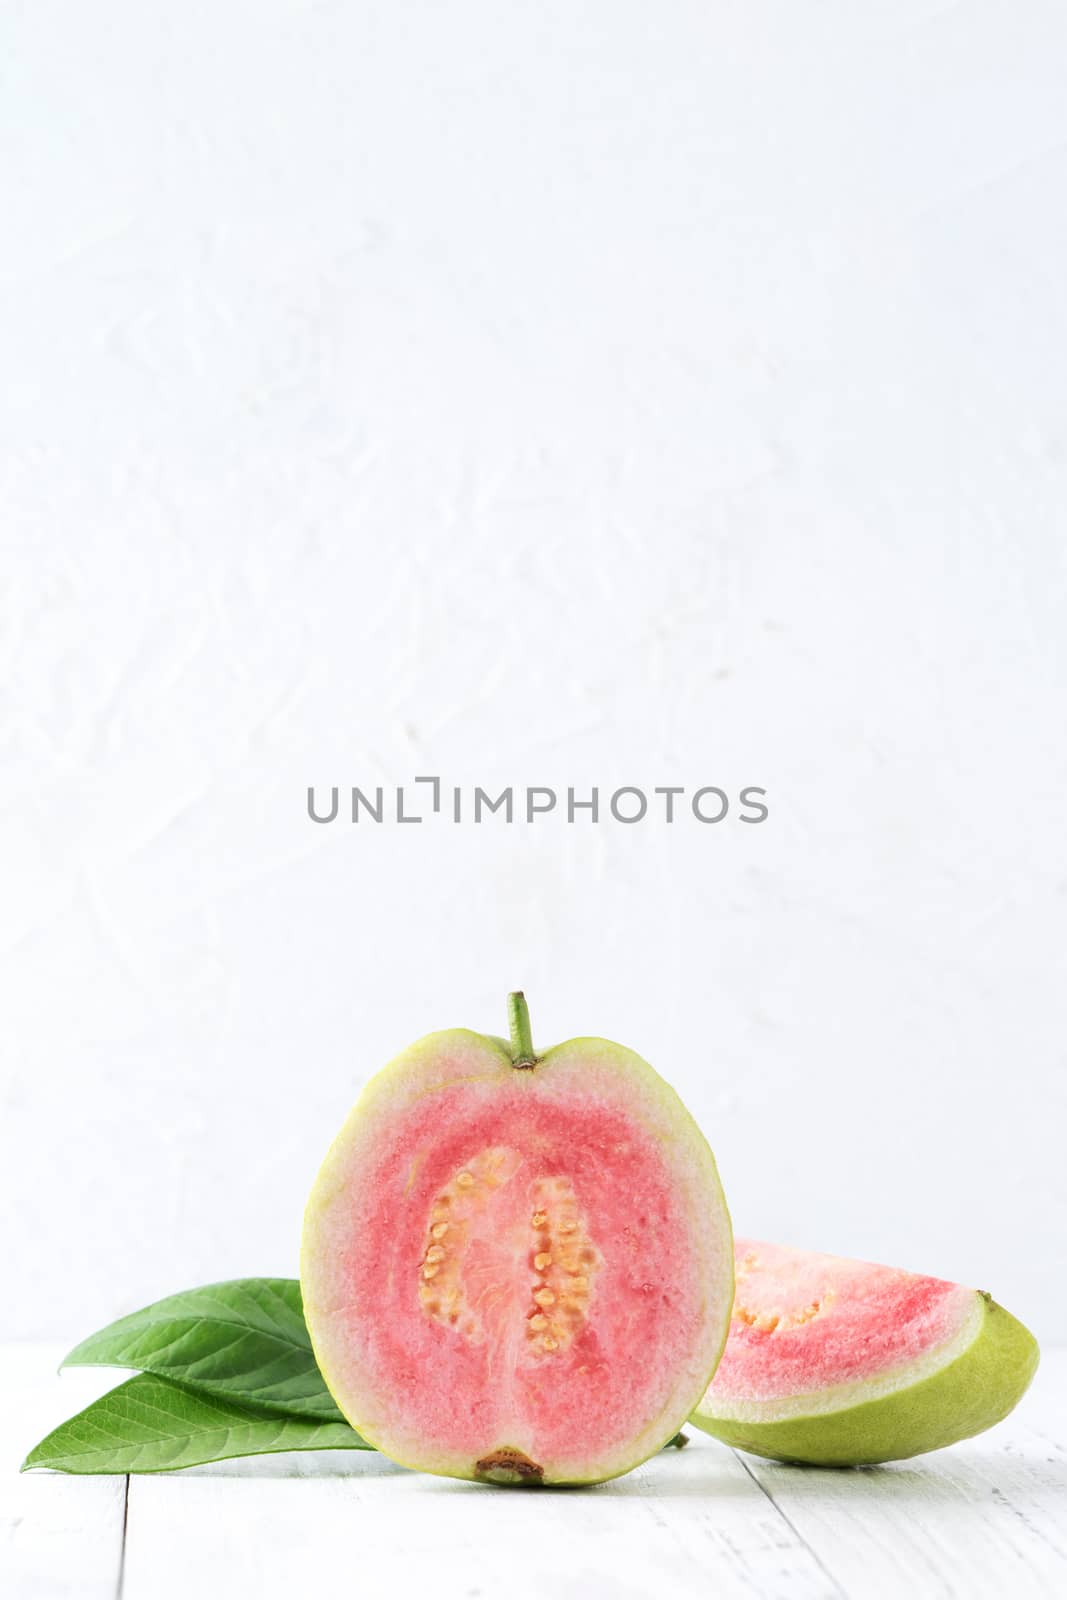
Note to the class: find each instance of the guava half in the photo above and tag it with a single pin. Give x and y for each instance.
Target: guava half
(841, 1363)
(517, 1267)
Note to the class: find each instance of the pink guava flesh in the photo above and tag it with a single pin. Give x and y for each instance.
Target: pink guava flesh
(512, 1273)
(804, 1321)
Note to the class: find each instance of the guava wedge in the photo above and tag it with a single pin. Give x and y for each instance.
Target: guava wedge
(517, 1267)
(843, 1363)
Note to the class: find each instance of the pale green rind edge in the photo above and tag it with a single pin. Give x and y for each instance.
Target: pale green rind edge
(974, 1391)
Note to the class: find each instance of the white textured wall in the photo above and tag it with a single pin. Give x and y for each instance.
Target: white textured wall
(539, 394)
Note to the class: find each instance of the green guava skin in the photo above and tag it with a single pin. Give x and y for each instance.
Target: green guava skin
(974, 1391)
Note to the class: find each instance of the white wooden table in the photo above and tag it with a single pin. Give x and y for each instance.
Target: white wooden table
(986, 1518)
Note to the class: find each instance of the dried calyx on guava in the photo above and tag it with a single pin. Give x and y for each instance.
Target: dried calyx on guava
(843, 1363)
(517, 1265)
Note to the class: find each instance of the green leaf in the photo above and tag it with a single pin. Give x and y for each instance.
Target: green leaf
(245, 1341)
(150, 1425)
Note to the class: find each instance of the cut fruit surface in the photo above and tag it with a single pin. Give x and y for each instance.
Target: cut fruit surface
(842, 1362)
(517, 1270)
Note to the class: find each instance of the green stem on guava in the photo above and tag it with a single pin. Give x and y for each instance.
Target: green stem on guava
(522, 1050)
